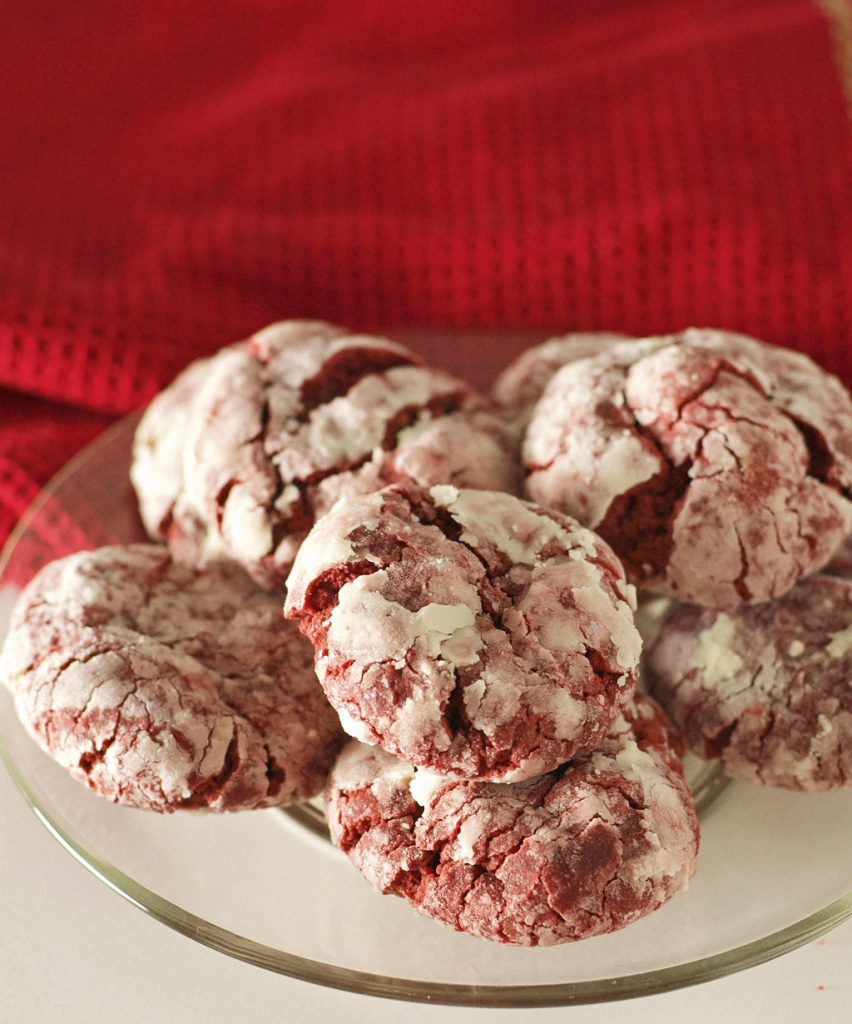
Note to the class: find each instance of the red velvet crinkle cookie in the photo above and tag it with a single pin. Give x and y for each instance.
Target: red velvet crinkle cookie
(268, 434)
(764, 688)
(520, 385)
(718, 467)
(164, 687)
(586, 849)
(467, 632)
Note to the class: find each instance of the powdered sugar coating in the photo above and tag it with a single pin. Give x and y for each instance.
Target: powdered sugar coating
(718, 467)
(302, 414)
(520, 385)
(587, 849)
(468, 632)
(157, 469)
(764, 688)
(164, 687)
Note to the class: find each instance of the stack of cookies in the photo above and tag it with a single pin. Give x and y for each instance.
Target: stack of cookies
(462, 682)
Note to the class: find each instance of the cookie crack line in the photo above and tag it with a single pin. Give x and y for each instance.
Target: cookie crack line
(114, 708)
(441, 519)
(645, 433)
(403, 419)
(339, 374)
(779, 539)
(495, 615)
(436, 408)
(215, 785)
(208, 744)
(90, 759)
(808, 538)
(74, 659)
(739, 583)
(718, 366)
(276, 773)
(821, 462)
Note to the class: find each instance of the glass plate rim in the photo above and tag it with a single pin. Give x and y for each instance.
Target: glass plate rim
(292, 965)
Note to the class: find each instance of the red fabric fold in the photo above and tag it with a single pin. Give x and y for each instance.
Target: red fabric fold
(174, 176)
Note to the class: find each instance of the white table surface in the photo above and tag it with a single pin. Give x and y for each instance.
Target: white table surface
(73, 950)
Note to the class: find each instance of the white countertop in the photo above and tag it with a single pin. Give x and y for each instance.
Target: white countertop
(73, 950)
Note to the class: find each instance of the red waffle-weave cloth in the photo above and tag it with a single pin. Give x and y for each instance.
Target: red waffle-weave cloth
(175, 176)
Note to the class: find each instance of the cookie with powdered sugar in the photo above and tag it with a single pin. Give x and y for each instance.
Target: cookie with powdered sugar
(520, 385)
(588, 848)
(717, 466)
(269, 433)
(164, 687)
(764, 688)
(467, 632)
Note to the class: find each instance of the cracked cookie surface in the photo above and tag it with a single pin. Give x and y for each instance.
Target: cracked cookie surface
(764, 688)
(468, 632)
(718, 467)
(269, 433)
(586, 849)
(164, 687)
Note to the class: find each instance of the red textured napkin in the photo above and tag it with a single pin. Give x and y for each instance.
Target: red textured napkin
(175, 176)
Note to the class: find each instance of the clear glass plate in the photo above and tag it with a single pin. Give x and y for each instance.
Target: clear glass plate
(268, 888)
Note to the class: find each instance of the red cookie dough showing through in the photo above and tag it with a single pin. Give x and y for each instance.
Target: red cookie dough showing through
(264, 437)
(163, 687)
(586, 849)
(717, 466)
(764, 688)
(467, 632)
